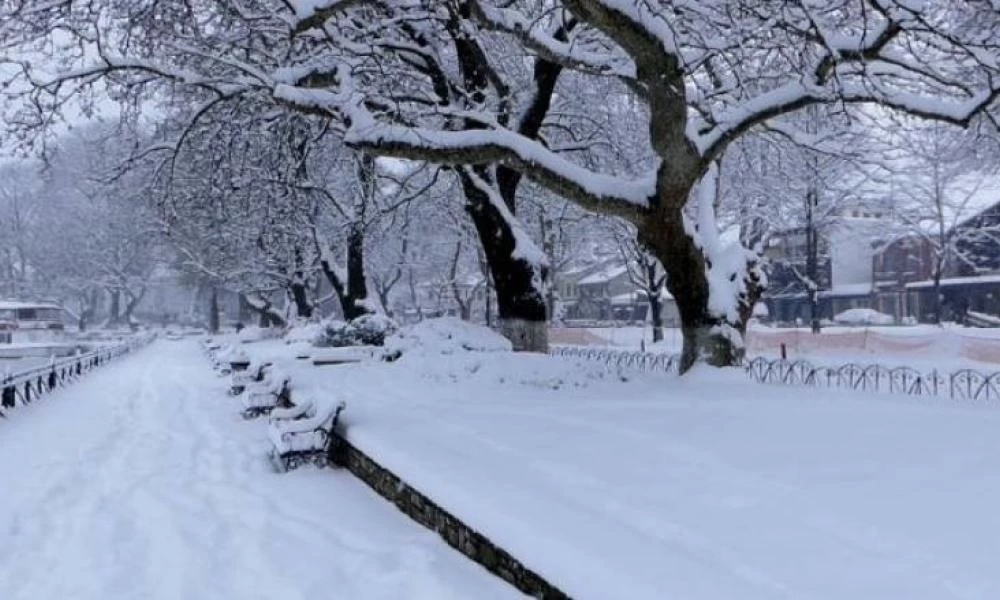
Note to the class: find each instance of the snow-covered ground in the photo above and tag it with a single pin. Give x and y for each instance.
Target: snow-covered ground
(142, 482)
(703, 488)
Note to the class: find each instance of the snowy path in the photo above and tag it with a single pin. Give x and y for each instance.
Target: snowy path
(142, 482)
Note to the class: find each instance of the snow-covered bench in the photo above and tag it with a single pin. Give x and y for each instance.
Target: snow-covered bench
(297, 441)
(263, 397)
(255, 372)
(299, 410)
(229, 357)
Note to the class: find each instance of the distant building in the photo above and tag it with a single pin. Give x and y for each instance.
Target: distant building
(606, 292)
(846, 249)
(858, 268)
(970, 287)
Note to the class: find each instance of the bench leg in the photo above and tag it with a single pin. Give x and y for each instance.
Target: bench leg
(278, 462)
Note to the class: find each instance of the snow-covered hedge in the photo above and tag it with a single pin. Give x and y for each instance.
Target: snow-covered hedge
(445, 335)
(366, 330)
(863, 316)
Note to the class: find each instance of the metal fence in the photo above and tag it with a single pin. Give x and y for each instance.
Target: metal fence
(964, 384)
(642, 361)
(24, 387)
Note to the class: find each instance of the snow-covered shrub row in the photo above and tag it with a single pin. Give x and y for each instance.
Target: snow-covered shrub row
(366, 330)
(445, 335)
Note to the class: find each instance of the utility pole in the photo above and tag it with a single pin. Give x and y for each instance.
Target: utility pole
(812, 257)
(812, 237)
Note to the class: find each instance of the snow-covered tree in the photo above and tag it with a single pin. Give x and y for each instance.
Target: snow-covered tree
(940, 184)
(434, 81)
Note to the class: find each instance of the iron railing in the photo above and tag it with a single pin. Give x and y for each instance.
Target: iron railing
(964, 384)
(26, 386)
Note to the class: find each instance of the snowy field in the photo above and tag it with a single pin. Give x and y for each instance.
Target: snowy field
(693, 488)
(923, 347)
(142, 482)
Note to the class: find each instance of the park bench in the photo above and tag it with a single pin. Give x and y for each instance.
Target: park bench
(299, 409)
(255, 372)
(305, 438)
(263, 397)
(229, 359)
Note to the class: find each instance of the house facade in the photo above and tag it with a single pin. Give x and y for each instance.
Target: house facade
(862, 269)
(605, 292)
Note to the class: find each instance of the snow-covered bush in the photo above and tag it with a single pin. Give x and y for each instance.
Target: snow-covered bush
(863, 316)
(445, 335)
(334, 333)
(372, 329)
(366, 330)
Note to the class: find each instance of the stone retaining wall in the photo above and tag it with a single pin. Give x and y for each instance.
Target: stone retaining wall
(457, 534)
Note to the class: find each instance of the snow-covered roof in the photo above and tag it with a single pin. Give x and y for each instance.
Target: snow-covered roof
(14, 305)
(606, 274)
(638, 296)
(991, 278)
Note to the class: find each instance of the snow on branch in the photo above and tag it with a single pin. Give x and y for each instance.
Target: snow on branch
(524, 247)
(599, 192)
(898, 60)
(313, 14)
(726, 263)
(567, 54)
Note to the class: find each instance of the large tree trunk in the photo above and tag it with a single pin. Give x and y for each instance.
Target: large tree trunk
(519, 285)
(354, 302)
(520, 303)
(114, 309)
(688, 284)
(936, 300)
(351, 288)
(89, 306)
(131, 305)
(213, 310)
(706, 337)
(300, 296)
(653, 294)
(656, 315)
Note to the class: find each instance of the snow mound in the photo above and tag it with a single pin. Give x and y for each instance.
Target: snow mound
(230, 353)
(482, 371)
(445, 335)
(449, 351)
(863, 316)
(253, 333)
(303, 332)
